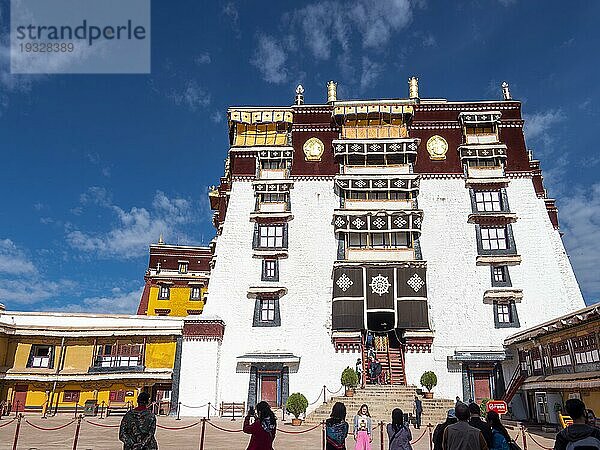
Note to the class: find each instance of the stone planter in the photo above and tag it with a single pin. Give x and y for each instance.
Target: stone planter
(349, 392)
(296, 422)
(428, 395)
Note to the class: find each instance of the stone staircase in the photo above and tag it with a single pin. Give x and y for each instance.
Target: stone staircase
(382, 399)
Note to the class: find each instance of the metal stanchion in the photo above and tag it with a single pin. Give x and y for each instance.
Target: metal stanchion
(324, 394)
(429, 426)
(102, 410)
(208, 415)
(17, 408)
(323, 434)
(76, 406)
(381, 433)
(233, 418)
(202, 433)
(17, 430)
(76, 438)
(178, 411)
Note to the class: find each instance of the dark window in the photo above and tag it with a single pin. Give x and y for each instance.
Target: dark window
(164, 292)
(183, 267)
(71, 396)
(487, 201)
(266, 312)
(276, 197)
(494, 238)
(505, 315)
(560, 354)
(586, 349)
(116, 396)
(500, 276)
(195, 293)
(270, 236)
(273, 164)
(41, 356)
(270, 270)
(122, 355)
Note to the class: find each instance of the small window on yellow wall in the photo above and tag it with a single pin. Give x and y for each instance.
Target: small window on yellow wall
(195, 293)
(71, 396)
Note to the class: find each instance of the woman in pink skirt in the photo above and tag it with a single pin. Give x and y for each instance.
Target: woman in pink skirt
(363, 429)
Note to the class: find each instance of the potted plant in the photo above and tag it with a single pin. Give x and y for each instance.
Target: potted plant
(428, 381)
(296, 404)
(349, 381)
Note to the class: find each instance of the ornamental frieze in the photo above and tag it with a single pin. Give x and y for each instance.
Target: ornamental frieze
(479, 117)
(377, 222)
(378, 184)
(274, 153)
(482, 151)
(371, 147)
(264, 188)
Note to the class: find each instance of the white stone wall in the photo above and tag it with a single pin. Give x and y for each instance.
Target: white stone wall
(305, 309)
(456, 284)
(198, 380)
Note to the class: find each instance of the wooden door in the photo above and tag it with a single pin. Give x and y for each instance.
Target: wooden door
(268, 390)
(19, 398)
(482, 386)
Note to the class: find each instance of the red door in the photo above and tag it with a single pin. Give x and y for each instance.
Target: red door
(19, 398)
(268, 390)
(482, 386)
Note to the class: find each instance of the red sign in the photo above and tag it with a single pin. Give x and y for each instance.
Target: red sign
(497, 405)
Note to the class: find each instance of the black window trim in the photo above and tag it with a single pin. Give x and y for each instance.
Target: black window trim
(510, 241)
(506, 282)
(514, 323)
(264, 276)
(257, 322)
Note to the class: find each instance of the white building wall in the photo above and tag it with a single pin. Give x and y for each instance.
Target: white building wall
(456, 284)
(305, 329)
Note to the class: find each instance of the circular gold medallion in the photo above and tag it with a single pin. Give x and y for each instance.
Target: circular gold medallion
(437, 147)
(313, 149)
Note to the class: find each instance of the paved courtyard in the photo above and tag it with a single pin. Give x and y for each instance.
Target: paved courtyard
(105, 437)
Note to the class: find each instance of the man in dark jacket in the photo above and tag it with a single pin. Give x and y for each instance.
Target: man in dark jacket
(579, 433)
(461, 435)
(475, 421)
(138, 426)
(438, 433)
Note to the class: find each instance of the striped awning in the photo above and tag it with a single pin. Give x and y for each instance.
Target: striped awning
(253, 116)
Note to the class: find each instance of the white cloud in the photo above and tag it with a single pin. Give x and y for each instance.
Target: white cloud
(217, 116)
(190, 95)
(136, 228)
(370, 72)
(270, 59)
(116, 302)
(539, 124)
(13, 260)
(231, 11)
(202, 58)
(580, 221)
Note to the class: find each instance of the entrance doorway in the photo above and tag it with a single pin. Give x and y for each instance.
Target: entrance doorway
(481, 384)
(269, 390)
(541, 407)
(19, 398)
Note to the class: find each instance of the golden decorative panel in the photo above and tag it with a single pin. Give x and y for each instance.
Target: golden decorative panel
(437, 147)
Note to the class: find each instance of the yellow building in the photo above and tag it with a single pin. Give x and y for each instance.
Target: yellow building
(55, 362)
(176, 280)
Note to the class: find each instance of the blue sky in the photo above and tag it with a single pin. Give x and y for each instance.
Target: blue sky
(94, 167)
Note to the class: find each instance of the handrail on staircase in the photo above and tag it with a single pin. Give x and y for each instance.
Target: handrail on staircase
(515, 382)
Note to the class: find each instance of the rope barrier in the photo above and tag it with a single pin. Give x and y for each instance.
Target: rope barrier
(223, 429)
(193, 407)
(8, 423)
(419, 438)
(49, 429)
(300, 432)
(318, 398)
(540, 445)
(177, 428)
(332, 392)
(101, 424)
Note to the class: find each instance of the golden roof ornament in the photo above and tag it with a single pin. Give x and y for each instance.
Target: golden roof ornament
(331, 91)
(299, 95)
(506, 91)
(161, 241)
(413, 88)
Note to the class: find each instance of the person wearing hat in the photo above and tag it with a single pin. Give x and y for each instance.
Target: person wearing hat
(438, 433)
(138, 426)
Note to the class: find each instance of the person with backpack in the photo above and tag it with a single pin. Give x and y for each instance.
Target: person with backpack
(138, 426)
(579, 435)
(336, 428)
(399, 434)
(263, 428)
(500, 437)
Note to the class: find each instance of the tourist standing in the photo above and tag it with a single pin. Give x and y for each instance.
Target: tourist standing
(458, 400)
(263, 428)
(336, 428)
(475, 421)
(579, 434)
(358, 368)
(461, 435)
(363, 429)
(438, 433)
(399, 434)
(138, 426)
(418, 410)
(500, 437)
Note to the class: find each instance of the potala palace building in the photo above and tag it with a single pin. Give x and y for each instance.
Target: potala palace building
(423, 221)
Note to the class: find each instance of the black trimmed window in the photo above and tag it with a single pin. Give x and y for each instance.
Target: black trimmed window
(398, 239)
(71, 396)
(183, 266)
(164, 292)
(495, 240)
(273, 197)
(505, 315)
(500, 276)
(273, 164)
(585, 349)
(488, 201)
(270, 236)
(561, 356)
(266, 312)
(41, 356)
(195, 293)
(270, 270)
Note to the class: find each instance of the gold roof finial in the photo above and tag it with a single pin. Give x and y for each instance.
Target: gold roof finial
(506, 91)
(161, 241)
(299, 95)
(413, 88)
(331, 91)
